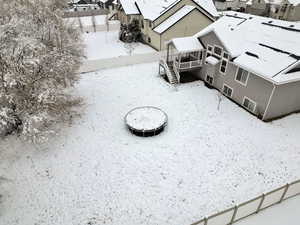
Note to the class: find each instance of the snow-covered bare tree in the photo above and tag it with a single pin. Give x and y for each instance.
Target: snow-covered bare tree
(39, 57)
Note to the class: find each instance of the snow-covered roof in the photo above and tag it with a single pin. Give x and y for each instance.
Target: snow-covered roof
(212, 60)
(274, 2)
(294, 2)
(174, 18)
(129, 7)
(209, 6)
(264, 46)
(153, 9)
(188, 44)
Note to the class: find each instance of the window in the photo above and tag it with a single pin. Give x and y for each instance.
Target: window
(227, 90)
(209, 79)
(249, 104)
(242, 76)
(224, 63)
(225, 55)
(218, 51)
(223, 66)
(142, 22)
(209, 51)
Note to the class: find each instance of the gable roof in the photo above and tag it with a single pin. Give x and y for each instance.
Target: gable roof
(185, 10)
(153, 9)
(186, 44)
(263, 46)
(129, 7)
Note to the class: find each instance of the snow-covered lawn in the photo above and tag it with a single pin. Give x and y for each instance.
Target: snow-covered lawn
(96, 172)
(101, 45)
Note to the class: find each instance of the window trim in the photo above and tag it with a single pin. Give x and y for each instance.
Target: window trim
(222, 50)
(211, 77)
(227, 62)
(209, 51)
(250, 100)
(236, 73)
(229, 88)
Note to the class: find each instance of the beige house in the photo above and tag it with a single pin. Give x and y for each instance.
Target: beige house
(163, 20)
(289, 10)
(236, 5)
(278, 9)
(254, 61)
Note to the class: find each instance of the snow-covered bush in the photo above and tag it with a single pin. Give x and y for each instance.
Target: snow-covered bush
(39, 58)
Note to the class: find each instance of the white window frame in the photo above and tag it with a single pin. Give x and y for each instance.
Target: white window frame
(244, 84)
(211, 77)
(209, 51)
(250, 100)
(227, 62)
(222, 50)
(229, 88)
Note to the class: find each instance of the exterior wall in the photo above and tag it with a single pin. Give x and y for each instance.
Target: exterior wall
(230, 5)
(257, 89)
(188, 26)
(285, 100)
(227, 5)
(287, 12)
(258, 7)
(155, 39)
(126, 19)
(171, 11)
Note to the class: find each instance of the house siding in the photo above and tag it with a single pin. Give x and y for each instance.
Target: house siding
(187, 26)
(285, 100)
(174, 9)
(257, 89)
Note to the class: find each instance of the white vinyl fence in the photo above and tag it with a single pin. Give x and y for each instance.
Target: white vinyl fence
(94, 65)
(253, 206)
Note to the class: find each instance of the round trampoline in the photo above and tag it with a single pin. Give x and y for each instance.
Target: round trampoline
(146, 121)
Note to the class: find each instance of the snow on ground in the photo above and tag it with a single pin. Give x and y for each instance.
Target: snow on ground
(102, 45)
(96, 172)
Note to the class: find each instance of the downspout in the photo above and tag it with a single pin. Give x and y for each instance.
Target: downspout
(269, 102)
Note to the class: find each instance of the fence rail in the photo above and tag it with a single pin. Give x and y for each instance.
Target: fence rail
(85, 13)
(253, 206)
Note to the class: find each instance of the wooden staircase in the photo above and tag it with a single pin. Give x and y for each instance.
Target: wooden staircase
(169, 71)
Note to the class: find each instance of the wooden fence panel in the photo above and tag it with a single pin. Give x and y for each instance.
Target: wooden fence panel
(221, 219)
(272, 198)
(247, 208)
(293, 189)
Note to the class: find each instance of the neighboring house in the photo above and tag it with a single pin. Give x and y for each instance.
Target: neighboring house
(84, 5)
(107, 4)
(236, 5)
(266, 8)
(162, 20)
(254, 61)
(289, 10)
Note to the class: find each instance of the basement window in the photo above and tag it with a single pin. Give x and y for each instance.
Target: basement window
(227, 90)
(249, 104)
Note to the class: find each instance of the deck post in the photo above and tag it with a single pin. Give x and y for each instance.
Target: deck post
(168, 51)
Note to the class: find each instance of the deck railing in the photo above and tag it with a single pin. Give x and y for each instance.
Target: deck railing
(190, 64)
(253, 206)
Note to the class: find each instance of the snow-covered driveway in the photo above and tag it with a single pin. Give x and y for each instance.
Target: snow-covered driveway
(96, 172)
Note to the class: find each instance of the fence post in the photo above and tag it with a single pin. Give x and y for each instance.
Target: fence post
(284, 192)
(261, 202)
(234, 214)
